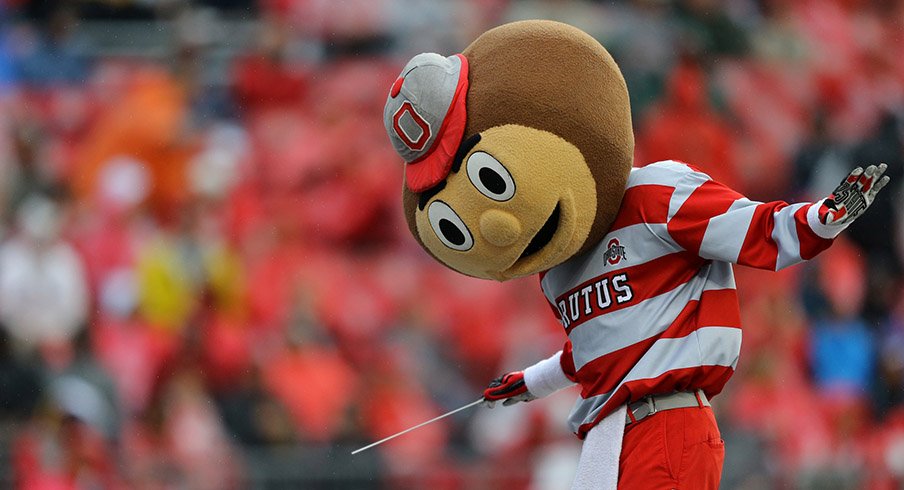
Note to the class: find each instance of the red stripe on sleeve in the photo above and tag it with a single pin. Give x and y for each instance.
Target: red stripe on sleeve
(689, 224)
(759, 249)
(648, 203)
(567, 362)
(810, 243)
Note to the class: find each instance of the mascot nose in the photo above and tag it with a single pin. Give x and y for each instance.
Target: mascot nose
(499, 228)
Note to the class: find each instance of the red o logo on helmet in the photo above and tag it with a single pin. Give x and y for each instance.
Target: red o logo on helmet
(417, 143)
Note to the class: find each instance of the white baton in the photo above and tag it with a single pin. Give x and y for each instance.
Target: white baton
(381, 441)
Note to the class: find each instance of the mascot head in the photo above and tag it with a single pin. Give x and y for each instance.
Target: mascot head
(516, 151)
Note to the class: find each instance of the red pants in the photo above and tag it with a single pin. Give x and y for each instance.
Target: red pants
(679, 448)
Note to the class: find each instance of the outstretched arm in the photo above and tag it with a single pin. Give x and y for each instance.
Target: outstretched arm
(714, 221)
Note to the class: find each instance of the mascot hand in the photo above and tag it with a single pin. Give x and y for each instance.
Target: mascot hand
(851, 198)
(509, 387)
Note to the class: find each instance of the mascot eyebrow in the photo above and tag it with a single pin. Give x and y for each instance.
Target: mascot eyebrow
(425, 196)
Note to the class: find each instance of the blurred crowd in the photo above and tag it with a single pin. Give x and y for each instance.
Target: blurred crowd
(206, 281)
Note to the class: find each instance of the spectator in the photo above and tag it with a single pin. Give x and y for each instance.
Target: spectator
(157, 139)
(886, 270)
(842, 346)
(195, 435)
(819, 155)
(64, 445)
(180, 441)
(253, 415)
(267, 78)
(885, 145)
(685, 127)
(54, 55)
(710, 29)
(43, 288)
(62, 455)
(318, 405)
(78, 372)
(889, 391)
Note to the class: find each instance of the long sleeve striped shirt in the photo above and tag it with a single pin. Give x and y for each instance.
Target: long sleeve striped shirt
(653, 308)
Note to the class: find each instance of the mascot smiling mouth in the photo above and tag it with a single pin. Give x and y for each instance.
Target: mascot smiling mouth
(544, 236)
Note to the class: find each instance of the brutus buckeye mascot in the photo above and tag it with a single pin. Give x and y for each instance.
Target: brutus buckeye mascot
(518, 160)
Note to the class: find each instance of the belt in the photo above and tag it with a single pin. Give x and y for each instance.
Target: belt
(651, 404)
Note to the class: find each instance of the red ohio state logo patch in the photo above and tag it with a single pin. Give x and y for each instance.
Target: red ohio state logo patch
(415, 142)
(615, 253)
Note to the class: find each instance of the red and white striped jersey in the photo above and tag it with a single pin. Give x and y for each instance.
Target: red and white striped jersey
(653, 308)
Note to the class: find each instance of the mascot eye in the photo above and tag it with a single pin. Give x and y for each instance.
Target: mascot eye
(490, 177)
(450, 229)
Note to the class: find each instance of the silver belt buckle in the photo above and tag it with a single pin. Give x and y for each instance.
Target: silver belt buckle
(639, 413)
(651, 402)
